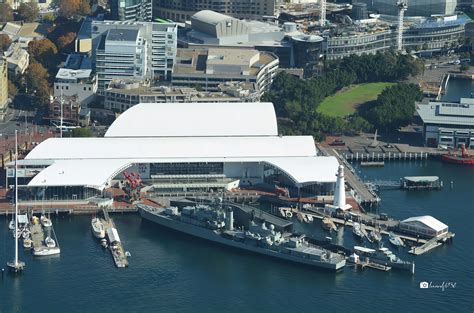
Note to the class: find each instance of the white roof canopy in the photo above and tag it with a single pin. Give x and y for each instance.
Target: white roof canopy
(193, 119)
(427, 220)
(176, 147)
(96, 173)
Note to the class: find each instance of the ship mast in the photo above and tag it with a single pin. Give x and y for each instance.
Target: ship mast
(16, 198)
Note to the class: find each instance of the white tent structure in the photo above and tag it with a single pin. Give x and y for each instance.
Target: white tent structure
(238, 141)
(425, 226)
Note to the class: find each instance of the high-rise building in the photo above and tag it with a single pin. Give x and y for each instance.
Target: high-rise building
(121, 54)
(182, 10)
(131, 10)
(3, 87)
(150, 47)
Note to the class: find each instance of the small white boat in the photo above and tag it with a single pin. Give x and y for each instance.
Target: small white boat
(46, 251)
(11, 225)
(128, 254)
(98, 228)
(25, 234)
(27, 243)
(46, 222)
(309, 218)
(50, 243)
(103, 243)
(395, 240)
(356, 230)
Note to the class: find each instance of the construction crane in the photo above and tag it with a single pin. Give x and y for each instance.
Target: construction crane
(402, 7)
(322, 16)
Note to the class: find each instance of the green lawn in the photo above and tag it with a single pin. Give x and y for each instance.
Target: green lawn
(345, 102)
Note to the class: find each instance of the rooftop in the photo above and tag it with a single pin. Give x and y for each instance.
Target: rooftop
(65, 73)
(448, 113)
(428, 221)
(181, 133)
(121, 34)
(221, 61)
(203, 119)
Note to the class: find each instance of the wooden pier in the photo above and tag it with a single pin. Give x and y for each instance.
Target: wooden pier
(361, 193)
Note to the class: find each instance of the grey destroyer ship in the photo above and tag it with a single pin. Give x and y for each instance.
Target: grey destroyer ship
(217, 225)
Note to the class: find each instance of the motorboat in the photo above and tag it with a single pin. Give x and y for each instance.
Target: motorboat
(46, 222)
(98, 228)
(396, 240)
(11, 225)
(328, 224)
(46, 251)
(310, 218)
(357, 231)
(103, 243)
(27, 243)
(374, 236)
(50, 243)
(25, 234)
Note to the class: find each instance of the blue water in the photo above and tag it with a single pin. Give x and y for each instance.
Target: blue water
(459, 88)
(171, 272)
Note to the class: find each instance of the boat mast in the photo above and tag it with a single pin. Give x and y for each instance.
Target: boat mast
(16, 198)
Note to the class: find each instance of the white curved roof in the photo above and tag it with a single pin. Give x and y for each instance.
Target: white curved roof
(211, 17)
(94, 161)
(173, 147)
(196, 119)
(97, 173)
(427, 220)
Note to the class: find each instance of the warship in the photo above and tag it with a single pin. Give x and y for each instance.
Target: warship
(217, 225)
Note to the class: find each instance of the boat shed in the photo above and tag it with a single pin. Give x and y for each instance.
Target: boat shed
(423, 226)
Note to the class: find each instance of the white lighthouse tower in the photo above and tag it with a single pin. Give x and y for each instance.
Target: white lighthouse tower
(340, 192)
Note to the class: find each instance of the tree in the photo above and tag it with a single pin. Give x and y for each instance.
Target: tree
(45, 52)
(65, 40)
(85, 8)
(73, 8)
(394, 107)
(5, 42)
(82, 132)
(28, 11)
(12, 90)
(37, 82)
(6, 13)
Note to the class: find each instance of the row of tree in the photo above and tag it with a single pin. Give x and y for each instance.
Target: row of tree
(29, 11)
(296, 100)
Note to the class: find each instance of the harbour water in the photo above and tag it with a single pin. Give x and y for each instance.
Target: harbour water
(171, 272)
(459, 88)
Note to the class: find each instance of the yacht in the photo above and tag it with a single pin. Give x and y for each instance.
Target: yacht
(98, 228)
(396, 240)
(357, 231)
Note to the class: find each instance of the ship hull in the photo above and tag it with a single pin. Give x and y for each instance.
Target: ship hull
(457, 160)
(213, 236)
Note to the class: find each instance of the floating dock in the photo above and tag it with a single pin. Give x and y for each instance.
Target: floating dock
(115, 244)
(37, 233)
(363, 264)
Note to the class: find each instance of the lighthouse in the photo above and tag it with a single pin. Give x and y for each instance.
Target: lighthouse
(340, 192)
